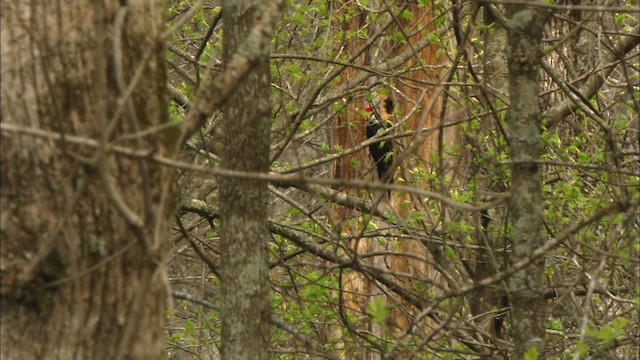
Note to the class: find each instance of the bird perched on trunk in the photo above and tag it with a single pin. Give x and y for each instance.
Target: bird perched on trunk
(381, 151)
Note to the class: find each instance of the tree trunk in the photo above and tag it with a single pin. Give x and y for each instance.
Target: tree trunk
(83, 228)
(526, 290)
(488, 258)
(243, 203)
(359, 291)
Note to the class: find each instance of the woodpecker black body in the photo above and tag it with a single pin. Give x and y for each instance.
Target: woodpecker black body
(381, 151)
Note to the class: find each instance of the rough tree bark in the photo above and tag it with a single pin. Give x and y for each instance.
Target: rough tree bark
(83, 229)
(358, 290)
(243, 203)
(494, 95)
(524, 119)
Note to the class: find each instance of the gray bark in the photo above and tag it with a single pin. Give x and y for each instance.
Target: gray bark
(526, 206)
(243, 202)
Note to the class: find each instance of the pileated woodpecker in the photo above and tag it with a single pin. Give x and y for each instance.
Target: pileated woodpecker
(381, 151)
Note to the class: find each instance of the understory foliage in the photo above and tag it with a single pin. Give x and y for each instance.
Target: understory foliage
(450, 300)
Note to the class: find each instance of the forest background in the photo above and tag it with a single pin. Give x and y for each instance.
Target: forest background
(193, 180)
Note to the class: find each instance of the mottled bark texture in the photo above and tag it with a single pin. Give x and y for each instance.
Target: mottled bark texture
(526, 290)
(489, 255)
(243, 202)
(82, 228)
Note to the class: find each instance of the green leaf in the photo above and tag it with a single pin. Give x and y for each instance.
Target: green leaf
(378, 310)
(531, 353)
(189, 327)
(406, 15)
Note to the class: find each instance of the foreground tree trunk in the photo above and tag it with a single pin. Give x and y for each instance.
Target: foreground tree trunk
(526, 287)
(244, 229)
(83, 227)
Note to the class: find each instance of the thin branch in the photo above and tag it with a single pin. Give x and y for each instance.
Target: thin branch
(127, 103)
(274, 320)
(612, 209)
(215, 90)
(575, 7)
(327, 79)
(206, 38)
(576, 165)
(102, 162)
(179, 98)
(210, 263)
(280, 179)
(627, 44)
